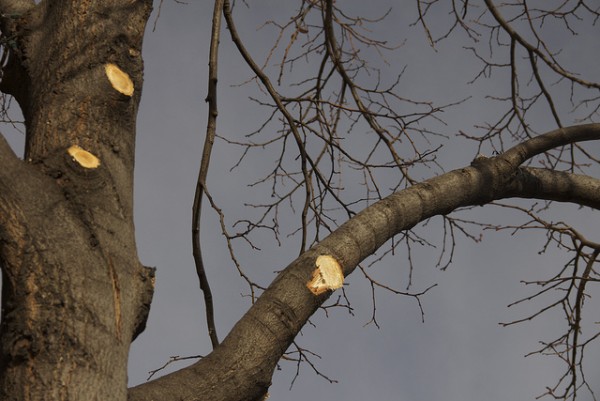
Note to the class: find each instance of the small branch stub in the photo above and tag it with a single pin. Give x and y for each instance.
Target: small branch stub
(83, 157)
(328, 275)
(119, 79)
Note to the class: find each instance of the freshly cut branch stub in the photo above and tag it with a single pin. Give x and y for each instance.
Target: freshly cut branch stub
(119, 79)
(83, 157)
(328, 275)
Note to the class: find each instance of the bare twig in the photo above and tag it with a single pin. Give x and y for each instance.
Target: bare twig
(204, 165)
(174, 358)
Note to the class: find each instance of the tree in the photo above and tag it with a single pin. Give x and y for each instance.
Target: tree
(74, 293)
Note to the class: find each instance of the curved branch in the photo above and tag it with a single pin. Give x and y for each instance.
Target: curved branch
(543, 143)
(244, 363)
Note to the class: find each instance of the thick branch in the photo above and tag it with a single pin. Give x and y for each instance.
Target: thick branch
(243, 364)
(551, 140)
(539, 183)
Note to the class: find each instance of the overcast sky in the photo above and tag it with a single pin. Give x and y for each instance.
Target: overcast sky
(459, 353)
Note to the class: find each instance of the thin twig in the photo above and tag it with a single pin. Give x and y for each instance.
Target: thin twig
(283, 110)
(209, 140)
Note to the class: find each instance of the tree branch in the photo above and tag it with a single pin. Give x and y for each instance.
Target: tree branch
(209, 140)
(539, 183)
(543, 143)
(243, 364)
(304, 159)
(534, 50)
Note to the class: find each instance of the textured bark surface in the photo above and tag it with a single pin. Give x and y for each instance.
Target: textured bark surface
(242, 366)
(74, 292)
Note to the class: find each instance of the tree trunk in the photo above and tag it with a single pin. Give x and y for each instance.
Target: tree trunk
(74, 293)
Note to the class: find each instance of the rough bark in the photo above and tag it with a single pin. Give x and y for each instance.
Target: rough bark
(74, 293)
(242, 366)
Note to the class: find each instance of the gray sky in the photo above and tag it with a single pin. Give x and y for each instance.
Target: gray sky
(459, 352)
